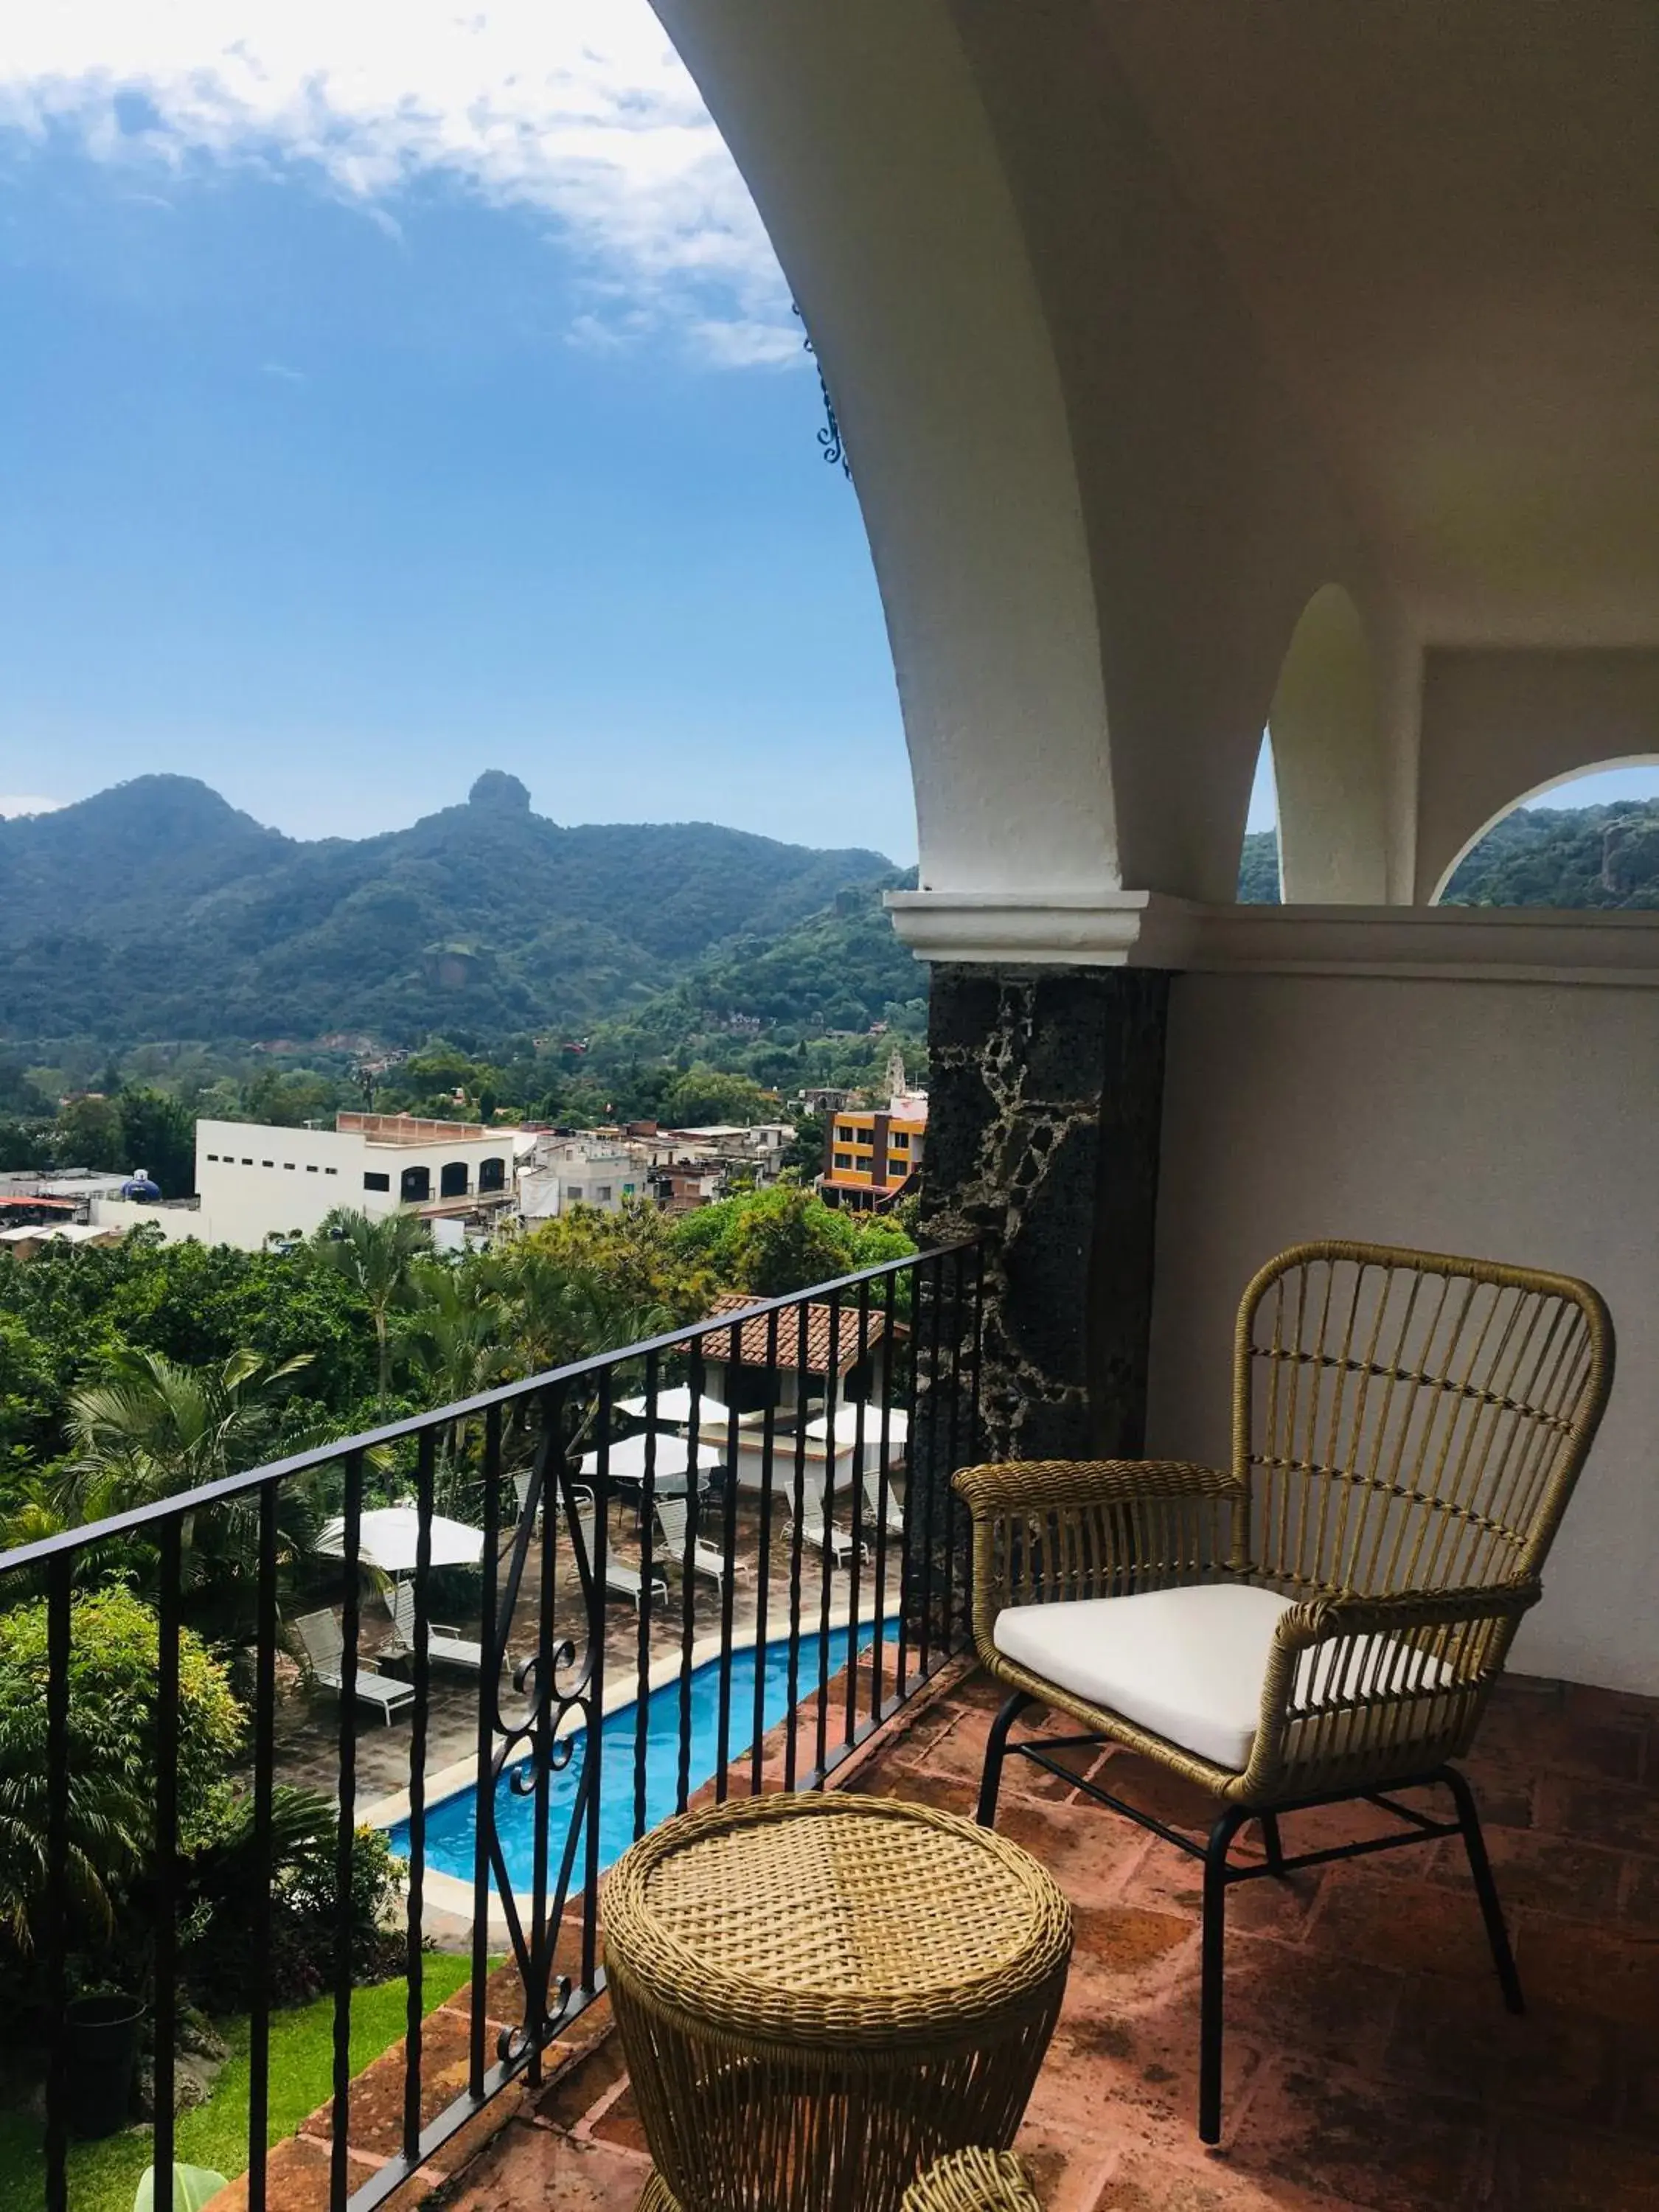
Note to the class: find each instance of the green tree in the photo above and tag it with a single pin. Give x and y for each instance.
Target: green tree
(155, 1429)
(157, 1133)
(23, 1146)
(89, 1133)
(377, 1258)
(113, 1657)
(703, 1094)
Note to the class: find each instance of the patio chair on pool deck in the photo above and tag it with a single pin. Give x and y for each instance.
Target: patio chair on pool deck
(827, 1539)
(1325, 1619)
(620, 1581)
(447, 1646)
(672, 1518)
(873, 1513)
(324, 1648)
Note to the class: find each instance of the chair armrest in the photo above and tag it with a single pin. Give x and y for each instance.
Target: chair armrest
(1057, 1530)
(1323, 1619)
(1045, 1485)
(1364, 1690)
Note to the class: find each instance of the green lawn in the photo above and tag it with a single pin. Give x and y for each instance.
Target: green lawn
(103, 2176)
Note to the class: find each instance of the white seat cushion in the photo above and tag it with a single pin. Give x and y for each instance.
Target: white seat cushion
(1188, 1664)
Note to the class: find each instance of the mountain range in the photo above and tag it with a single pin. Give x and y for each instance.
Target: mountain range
(155, 909)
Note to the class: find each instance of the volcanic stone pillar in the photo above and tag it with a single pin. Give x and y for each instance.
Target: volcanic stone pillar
(1045, 1098)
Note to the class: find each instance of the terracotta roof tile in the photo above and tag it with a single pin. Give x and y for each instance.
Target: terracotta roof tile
(820, 1335)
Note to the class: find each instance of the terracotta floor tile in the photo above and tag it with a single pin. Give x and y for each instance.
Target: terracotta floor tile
(1541, 2169)
(1292, 1999)
(1114, 2067)
(1456, 2038)
(1088, 1850)
(1166, 1880)
(1065, 2167)
(1181, 2179)
(1347, 2135)
(1608, 1813)
(1611, 1973)
(544, 2170)
(1417, 1926)
(1544, 1872)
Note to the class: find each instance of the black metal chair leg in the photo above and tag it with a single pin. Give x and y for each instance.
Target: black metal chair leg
(995, 1745)
(1214, 1959)
(1275, 1849)
(1486, 1889)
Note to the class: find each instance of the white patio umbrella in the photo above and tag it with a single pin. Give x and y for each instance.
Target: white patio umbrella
(847, 1425)
(388, 1535)
(675, 1405)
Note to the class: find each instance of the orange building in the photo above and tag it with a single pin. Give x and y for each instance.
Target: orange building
(871, 1153)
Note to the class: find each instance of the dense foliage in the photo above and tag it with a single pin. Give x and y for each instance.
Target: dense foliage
(1562, 856)
(155, 909)
(1579, 856)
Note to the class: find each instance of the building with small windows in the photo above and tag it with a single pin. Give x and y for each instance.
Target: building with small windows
(870, 1153)
(257, 1182)
(594, 1168)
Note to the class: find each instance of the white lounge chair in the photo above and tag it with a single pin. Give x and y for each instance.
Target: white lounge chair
(447, 1645)
(621, 1581)
(824, 1538)
(522, 1478)
(873, 1513)
(671, 1520)
(325, 1649)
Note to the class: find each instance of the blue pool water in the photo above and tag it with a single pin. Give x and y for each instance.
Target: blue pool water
(451, 1824)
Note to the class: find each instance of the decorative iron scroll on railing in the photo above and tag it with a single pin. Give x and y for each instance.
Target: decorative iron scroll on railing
(800, 1447)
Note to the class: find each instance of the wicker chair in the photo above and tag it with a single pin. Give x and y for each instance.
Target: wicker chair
(1325, 1619)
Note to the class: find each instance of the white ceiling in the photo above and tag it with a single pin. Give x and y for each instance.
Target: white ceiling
(1443, 216)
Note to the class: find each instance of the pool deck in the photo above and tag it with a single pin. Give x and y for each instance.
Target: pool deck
(1371, 2067)
(308, 1724)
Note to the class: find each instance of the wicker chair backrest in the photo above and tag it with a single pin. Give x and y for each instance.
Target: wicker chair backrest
(1403, 1420)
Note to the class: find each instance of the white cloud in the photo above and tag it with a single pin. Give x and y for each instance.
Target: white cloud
(23, 804)
(579, 108)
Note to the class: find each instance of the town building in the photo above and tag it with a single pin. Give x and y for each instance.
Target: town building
(258, 1183)
(592, 1167)
(871, 1153)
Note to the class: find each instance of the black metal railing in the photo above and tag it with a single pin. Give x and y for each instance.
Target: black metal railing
(840, 1559)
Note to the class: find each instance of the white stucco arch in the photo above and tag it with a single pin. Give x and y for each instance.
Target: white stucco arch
(1328, 765)
(1529, 798)
(1501, 727)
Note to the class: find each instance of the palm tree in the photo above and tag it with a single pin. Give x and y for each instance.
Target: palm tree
(459, 1335)
(378, 1259)
(154, 1428)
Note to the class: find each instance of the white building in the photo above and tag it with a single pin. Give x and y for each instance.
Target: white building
(256, 1182)
(593, 1168)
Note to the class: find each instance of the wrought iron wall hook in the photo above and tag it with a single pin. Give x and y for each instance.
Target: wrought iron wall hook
(831, 444)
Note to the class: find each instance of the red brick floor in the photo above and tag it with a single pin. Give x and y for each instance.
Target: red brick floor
(1370, 2066)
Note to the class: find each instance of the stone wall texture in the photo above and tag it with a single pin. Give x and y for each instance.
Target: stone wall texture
(1045, 1103)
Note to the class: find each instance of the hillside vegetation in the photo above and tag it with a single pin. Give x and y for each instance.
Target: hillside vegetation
(1560, 856)
(156, 910)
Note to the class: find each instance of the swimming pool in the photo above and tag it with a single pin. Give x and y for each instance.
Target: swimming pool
(451, 1823)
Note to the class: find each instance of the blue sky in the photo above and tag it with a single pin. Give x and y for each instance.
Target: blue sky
(378, 406)
(371, 418)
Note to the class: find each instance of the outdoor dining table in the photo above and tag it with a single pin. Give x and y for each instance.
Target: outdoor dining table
(819, 1995)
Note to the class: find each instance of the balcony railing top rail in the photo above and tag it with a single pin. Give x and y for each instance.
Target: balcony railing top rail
(850, 1553)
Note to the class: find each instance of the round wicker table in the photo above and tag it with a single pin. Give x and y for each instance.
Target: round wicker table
(820, 1996)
